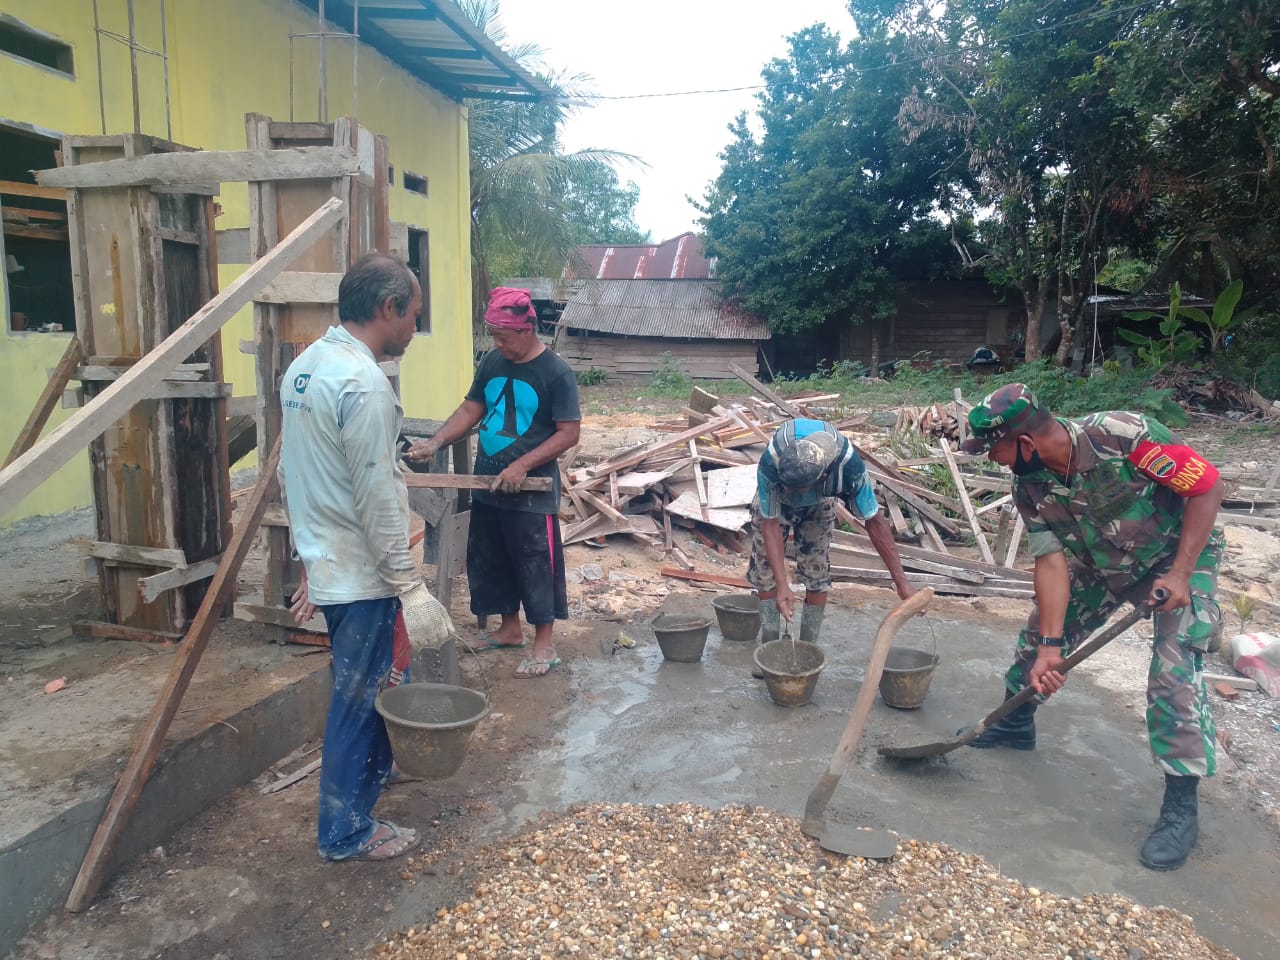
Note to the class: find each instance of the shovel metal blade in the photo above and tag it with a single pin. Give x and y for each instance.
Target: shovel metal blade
(926, 751)
(859, 842)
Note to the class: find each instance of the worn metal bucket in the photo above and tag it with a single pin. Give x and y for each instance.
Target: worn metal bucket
(681, 638)
(790, 669)
(905, 680)
(738, 615)
(430, 725)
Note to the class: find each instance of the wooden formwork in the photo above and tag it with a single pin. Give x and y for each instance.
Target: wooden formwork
(143, 261)
(300, 305)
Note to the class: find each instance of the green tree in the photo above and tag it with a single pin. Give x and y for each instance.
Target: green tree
(810, 216)
(600, 209)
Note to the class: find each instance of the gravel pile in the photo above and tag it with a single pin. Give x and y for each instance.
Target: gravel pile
(682, 882)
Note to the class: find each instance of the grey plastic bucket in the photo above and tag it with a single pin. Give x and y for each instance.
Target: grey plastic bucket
(430, 725)
(790, 669)
(905, 680)
(738, 615)
(681, 638)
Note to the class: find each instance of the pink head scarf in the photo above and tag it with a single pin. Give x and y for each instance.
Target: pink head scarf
(496, 316)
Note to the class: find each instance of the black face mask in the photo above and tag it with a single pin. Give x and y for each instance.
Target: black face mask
(1024, 465)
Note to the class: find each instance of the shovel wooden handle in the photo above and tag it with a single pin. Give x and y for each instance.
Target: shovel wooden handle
(1098, 641)
(815, 807)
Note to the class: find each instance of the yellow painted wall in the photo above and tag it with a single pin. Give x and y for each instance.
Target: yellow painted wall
(228, 58)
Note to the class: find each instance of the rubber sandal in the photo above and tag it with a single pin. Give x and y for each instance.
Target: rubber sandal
(370, 851)
(488, 643)
(536, 667)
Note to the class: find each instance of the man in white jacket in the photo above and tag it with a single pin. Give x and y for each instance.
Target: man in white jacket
(349, 514)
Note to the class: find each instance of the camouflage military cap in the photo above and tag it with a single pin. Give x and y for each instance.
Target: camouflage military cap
(1011, 409)
(803, 462)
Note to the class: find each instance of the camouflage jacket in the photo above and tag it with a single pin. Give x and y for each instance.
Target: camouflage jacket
(1120, 512)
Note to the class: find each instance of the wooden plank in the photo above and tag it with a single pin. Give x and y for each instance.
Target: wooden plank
(775, 398)
(47, 401)
(995, 504)
(291, 779)
(1237, 683)
(35, 466)
(992, 588)
(726, 518)
(12, 188)
(117, 631)
(642, 454)
(699, 577)
(914, 563)
(138, 556)
(1015, 540)
(301, 287)
(699, 485)
(602, 506)
(277, 617)
(899, 522)
(149, 588)
(206, 166)
(24, 213)
(96, 372)
(965, 503)
(466, 481)
(1249, 520)
(151, 736)
(731, 487)
(36, 233)
(921, 553)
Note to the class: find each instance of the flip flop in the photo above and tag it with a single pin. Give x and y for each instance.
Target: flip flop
(488, 643)
(536, 667)
(373, 850)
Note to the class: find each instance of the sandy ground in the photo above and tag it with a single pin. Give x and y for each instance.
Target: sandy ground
(249, 864)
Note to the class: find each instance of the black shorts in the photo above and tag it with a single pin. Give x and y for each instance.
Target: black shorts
(516, 558)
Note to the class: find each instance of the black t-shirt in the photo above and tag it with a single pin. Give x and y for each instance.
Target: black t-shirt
(522, 402)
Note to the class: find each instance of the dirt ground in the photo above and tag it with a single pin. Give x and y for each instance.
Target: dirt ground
(243, 880)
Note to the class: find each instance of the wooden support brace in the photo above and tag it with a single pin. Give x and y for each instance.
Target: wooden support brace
(1015, 540)
(149, 588)
(151, 737)
(137, 556)
(32, 468)
(772, 396)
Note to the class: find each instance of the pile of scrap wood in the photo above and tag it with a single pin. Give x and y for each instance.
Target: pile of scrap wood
(1212, 395)
(703, 478)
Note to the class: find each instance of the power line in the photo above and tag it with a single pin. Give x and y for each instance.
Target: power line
(923, 58)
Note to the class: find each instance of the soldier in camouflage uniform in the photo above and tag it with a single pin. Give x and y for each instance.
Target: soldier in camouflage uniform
(1117, 506)
(807, 465)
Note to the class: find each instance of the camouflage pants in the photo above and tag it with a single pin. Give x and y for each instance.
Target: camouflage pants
(812, 527)
(1179, 723)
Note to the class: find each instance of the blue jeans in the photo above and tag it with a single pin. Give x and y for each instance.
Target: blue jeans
(356, 758)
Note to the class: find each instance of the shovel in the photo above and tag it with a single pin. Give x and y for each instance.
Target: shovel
(1099, 640)
(877, 844)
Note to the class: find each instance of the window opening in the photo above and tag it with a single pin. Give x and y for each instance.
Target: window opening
(420, 264)
(19, 40)
(34, 244)
(415, 183)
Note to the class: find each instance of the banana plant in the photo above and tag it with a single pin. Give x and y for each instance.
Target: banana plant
(1224, 315)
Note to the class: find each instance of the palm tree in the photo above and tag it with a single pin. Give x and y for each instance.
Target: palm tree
(520, 223)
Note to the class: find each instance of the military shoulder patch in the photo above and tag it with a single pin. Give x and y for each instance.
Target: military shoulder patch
(1175, 466)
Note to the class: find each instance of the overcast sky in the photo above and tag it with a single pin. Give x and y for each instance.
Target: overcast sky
(662, 46)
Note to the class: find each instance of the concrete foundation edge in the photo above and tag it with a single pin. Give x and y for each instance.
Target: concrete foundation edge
(37, 871)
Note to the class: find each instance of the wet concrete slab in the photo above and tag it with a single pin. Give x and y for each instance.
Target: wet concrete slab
(1068, 817)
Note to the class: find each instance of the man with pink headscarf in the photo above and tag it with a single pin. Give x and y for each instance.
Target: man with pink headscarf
(524, 399)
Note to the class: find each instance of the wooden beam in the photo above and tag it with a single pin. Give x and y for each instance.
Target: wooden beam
(34, 467)
(991, 588)
(699, 577)
(149, 588)
(638, 456)
(151, 737)
(205, 166)
(278, 617)
(770, 395)
(34, 232)
(465, 481)
(301, 288)
(47, 400)
(95, 372)
(137, 556)
(12, 188)
(118, 631)
(965, 503)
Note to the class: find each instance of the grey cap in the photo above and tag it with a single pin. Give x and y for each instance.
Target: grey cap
(803, 462)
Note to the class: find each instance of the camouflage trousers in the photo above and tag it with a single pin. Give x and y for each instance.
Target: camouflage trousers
(1179, 722)
(812, 527)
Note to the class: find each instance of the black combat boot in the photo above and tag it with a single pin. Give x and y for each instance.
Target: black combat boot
(1016, 731)
(1178, 827)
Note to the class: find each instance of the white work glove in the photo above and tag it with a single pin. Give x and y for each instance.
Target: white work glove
(425, 618)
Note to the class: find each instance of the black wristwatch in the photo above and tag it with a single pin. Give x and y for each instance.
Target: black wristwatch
(1053, 641)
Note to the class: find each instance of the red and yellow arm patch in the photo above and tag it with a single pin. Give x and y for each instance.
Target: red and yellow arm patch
(1175, 466)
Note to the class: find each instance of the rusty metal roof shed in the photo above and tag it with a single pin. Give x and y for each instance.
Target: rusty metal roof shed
(680, 258)
(680, 309)
(434, 41)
